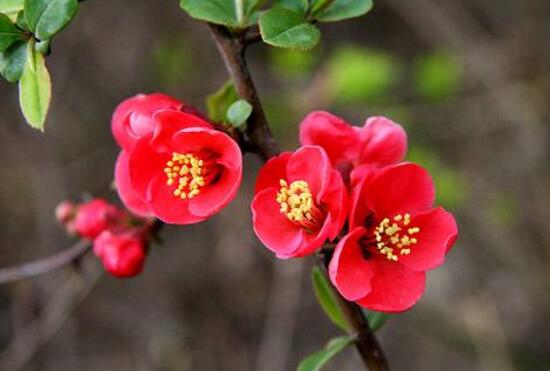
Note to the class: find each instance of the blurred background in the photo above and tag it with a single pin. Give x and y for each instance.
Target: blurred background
(470, 81)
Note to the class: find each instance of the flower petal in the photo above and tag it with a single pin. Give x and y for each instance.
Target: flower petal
(349, 272)
(395, 288)
(383, 142)
(144, 165)
(169, 122)
(331, 133)
(438, 232)
(336, 201)
(167, 207)
(272, 172)
(274, 229)
(126, 192)
(401, 188)
(310, 163)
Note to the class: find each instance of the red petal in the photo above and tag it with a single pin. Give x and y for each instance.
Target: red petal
(312, 241)
(332, 133)
(349, 272)
(274, 229)
(169, 122)
(272, 172)
(438, 232)
(336, 202)
(310, 163)
(167, 207)
(144, 165)
(384, 142)
(401, 188)
(125, 190)
(395, 288)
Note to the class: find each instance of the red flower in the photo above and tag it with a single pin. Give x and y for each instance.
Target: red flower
(122, 253)
(300, 201)
(378, 143)
(95, 216)
(184, 173)
(133, 118)
(395, 237)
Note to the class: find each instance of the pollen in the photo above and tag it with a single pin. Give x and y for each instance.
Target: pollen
(394, 237)
(298, 205)
(186, 173)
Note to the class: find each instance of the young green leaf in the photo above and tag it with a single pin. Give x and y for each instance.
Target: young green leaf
(46, 18)
(238, 112)
(12, 61)
(287, 29)
(35, 89)
(377, 320)
(218, 103)
(344, 9)
(327, 299)
(11, 8)
(230, 13)
(317, 360)
(9, 33)
(299, 6)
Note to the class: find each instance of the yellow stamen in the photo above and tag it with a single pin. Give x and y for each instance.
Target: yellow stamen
(393, 239)
(187, 169)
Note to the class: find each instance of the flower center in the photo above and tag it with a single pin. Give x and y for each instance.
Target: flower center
(395, 237)
(188, 173)
(297, 204)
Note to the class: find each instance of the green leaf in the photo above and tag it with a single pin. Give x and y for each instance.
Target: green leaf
(35, 89)
(344, 9)
(230, 13)
(377, 320)
(299, 6)
(47, 17)
(218, 103)
(12, 61)
(238, 112)
(287, 29)
(317, 360)
(327, 299)
(21, 21)
(9, 33)
(11, 8)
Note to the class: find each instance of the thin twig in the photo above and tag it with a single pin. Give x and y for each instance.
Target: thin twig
(261, 141)
(44, 265)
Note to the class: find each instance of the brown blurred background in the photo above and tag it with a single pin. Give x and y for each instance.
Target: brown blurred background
(470, 80)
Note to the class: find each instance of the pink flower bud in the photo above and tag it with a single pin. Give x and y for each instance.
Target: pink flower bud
(95, 216)
(65, 211)
(122, 254)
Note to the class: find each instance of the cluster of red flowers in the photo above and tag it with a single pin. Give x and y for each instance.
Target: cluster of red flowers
(119, 240)
(347, 185)
(173, 164)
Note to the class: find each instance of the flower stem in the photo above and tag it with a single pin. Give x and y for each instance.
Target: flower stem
(259, 139)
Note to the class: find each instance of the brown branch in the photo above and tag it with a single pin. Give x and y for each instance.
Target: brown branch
(261, 141)
(44, 265)
(258, 135)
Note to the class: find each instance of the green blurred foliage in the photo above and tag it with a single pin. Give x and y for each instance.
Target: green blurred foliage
(436, 76)
(502, 208)
(292, 63)
(358, 75)
(171, 62)
(451, 188)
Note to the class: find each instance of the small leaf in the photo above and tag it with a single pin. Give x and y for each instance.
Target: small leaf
(11, 8)
(299, 6)
(377, 320)
(287, 29)
(35, 89)
(327, 299)
(238, 112)
(224, 12)
(344, 9)
(218, 103)
(46, 18)
(317, 360)
(9, 33)
(12, 61)
(21, 21)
